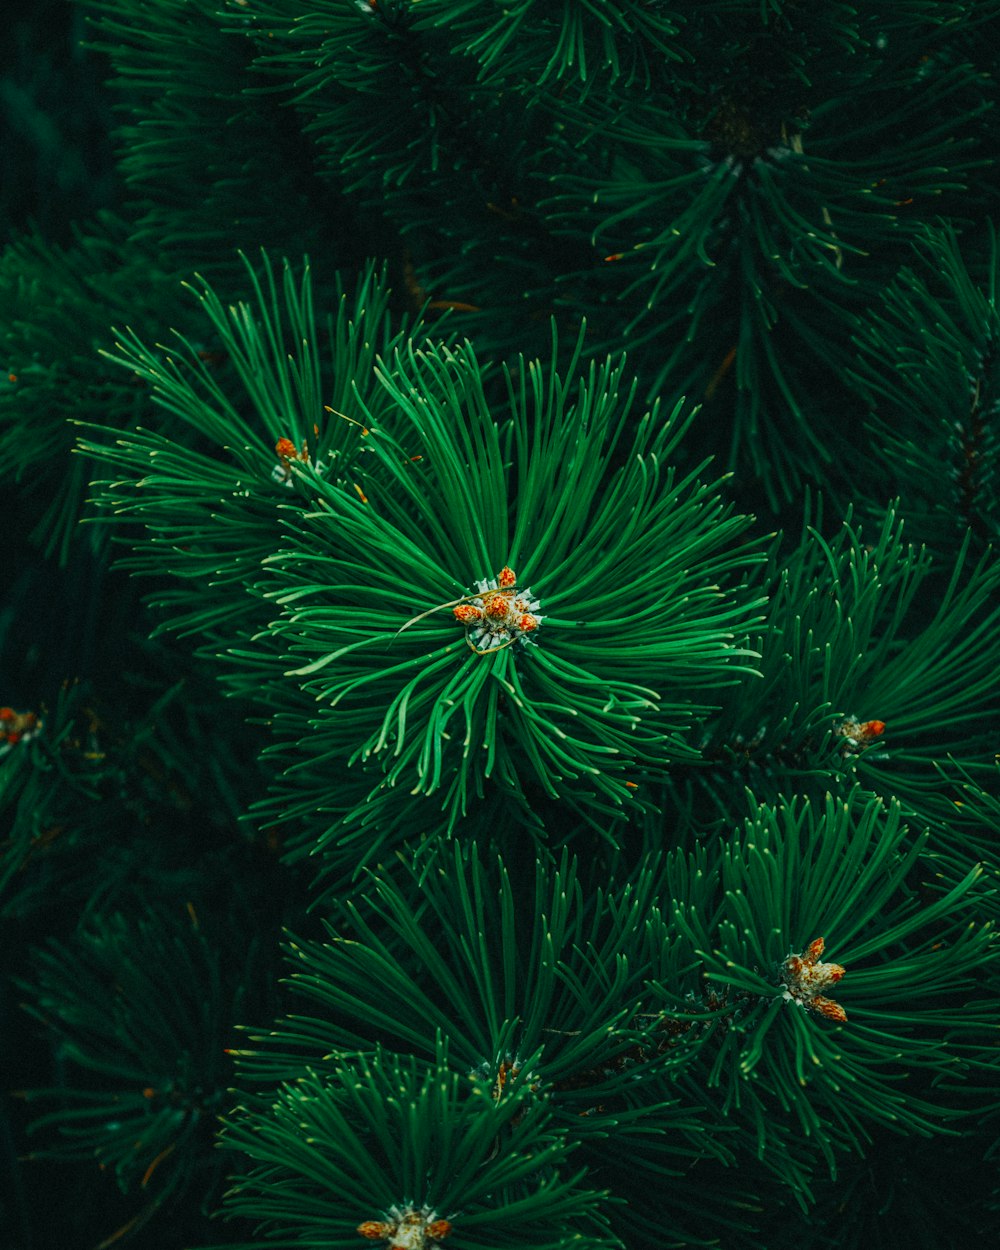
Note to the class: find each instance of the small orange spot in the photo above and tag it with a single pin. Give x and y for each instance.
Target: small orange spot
(632, 785)
(720, 373)
(454, 304)
(509, 214)
(192, 913)
(872, 729)
(361, 494)
(11, 377)
(149, 1092)
(156, 1162)
(285, 448)
(614, 256)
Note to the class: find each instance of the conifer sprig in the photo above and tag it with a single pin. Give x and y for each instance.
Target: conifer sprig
(547, 989)
(206, 494)
(431, 490)
(57, 306)
(930, 350)
(143, 1055)
(878, 665)
(914, 942)
(628, 559)
(353, 1152)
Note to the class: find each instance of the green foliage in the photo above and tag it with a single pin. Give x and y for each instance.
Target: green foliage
(576, 44)
(430, 484)
(626, 564)
(876, 669)
(539, 982)
(464, 664)
(729, 211)
(143, 1046)
(207, 488)
(662, 1012)
(54, 119)
(58, 307)
(929, 368)
(854, 874)
(338, 1151)
(546, 990)
(739, 173)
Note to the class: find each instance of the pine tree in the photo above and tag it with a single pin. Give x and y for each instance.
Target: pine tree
(499, 714)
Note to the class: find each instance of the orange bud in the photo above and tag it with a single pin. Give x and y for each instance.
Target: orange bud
(496, 605)
(467, 614)
(828, 1009)
(814, 950)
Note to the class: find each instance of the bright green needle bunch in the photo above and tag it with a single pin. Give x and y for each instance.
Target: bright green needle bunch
(244, 399)
(519, 587)
(467, 577)
(878, 665)
(802, 886)
(390, 1147)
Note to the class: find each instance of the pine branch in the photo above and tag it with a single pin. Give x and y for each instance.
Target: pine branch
(930, 352)
(142, 1009)
(391, 1144)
